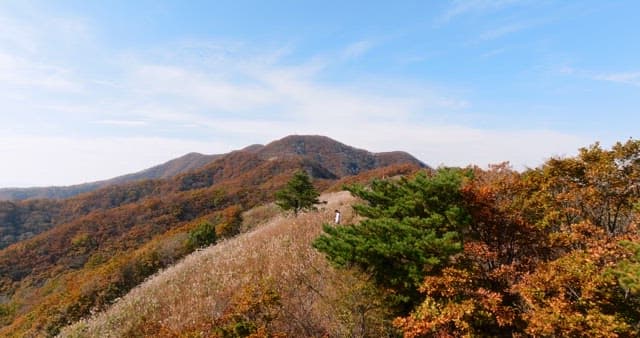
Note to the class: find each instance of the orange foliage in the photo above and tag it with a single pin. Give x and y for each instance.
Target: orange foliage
(539, 255)
(93, 248)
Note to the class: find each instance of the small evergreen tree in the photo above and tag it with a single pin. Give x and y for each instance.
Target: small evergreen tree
(203, 235)
(412, 227)
(299, 194)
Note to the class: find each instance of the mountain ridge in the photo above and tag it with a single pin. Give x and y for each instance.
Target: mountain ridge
(187, 162)
(339, 158)
(94, 247)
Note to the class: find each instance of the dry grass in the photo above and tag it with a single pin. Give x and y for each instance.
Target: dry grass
(258, 216)
(194, 297)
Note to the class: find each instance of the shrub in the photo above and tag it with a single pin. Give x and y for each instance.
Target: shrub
(203, 235)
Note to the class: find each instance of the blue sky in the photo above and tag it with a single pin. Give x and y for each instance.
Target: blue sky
(96, 89)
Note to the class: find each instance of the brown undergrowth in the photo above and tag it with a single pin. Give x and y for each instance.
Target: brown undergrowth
(267, 282)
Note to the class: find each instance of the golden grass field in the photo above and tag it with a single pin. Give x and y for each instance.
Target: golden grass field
(270, 277)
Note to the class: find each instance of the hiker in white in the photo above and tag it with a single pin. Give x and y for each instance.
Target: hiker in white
(337, 220)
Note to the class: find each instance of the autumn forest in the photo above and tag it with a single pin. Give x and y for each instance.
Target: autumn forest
(550, 251)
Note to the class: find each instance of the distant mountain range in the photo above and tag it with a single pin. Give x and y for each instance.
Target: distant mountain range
(331, 160)
(61, 259)
(188, 162)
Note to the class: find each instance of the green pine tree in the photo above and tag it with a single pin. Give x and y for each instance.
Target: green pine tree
(299, 194)
(203, 235)
(627, 270)
(412, 226)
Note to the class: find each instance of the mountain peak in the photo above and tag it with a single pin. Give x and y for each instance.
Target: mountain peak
(340, 159)
(305, 144)
(130, 221)
(321, 155)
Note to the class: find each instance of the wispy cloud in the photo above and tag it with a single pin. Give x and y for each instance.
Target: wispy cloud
(462, 7)
(22, 72)
(493, 52)
(238, 84)
(16, 35)
(357, 49)
(124, 123)
(25, 43)
(629, 78)
(236, 98)
(502, 31)
(215, 96)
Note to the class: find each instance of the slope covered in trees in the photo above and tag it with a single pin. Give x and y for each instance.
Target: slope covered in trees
(323, 158)
(93, 248)
(551, 251)
(267, 282)
(188, 162)
(337, 160)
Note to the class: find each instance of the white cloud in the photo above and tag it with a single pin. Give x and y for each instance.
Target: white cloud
(213, 97)
(237, 86)
(269, 102)
(71, 160)
(462, 7)
(493, 52)
(21, 72)
(568, 70)
(629, 78)
(357, 49)
(28, 31)
(16, 36)
(502, 31)
(123, 123)
(27, 41)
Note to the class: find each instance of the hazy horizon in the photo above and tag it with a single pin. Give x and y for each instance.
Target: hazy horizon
(94, 90)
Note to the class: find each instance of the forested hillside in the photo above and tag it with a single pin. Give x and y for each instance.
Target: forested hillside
(165, 171)
(552, 251)
(269, 281)
(91, 249)
(188, 162)
(549, 251)
(338, 158)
